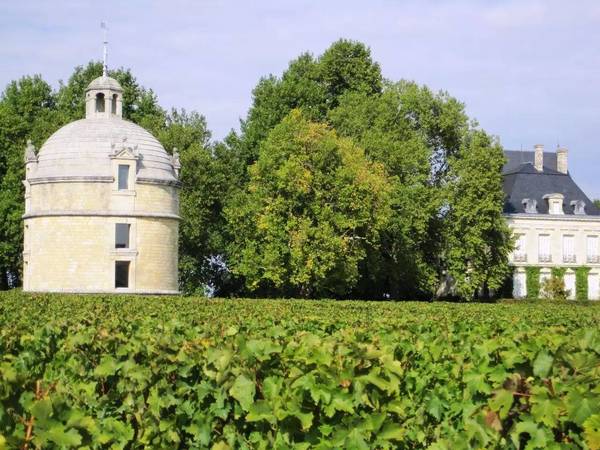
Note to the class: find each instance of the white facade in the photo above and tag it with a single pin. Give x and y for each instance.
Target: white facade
(556, 240)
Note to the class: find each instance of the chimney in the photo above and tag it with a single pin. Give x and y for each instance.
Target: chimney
(539, 157)
(561, 160)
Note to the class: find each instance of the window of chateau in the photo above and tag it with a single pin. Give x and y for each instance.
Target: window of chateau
(520, 254)
(121, 274)
(544, 248)
(592, 249)
(569, 249)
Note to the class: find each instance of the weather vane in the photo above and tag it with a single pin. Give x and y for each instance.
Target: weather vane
(104, 65)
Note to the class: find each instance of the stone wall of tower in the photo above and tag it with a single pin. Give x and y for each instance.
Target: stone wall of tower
(64, 253)
(69, 241)
(100, 196)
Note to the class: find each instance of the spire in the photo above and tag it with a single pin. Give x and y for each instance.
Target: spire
(105, 55)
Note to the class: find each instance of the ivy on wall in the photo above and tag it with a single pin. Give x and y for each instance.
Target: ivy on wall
(581, 283)
(533, 282)
(581, 280)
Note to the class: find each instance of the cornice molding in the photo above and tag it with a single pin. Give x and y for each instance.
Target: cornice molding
(554, 217)
(91, 213)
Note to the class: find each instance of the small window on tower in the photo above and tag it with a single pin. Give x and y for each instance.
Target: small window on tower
(123, 177)
(100, 102)
(121, 274)
(113, 107)
(122, 235)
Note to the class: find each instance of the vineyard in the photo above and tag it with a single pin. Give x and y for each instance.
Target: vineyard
(191, 373)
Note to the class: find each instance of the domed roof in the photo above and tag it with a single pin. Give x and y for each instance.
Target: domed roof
(105, 83)
(84, 148)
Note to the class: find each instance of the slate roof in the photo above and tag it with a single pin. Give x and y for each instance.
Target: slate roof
(83, 149)
(522, 180)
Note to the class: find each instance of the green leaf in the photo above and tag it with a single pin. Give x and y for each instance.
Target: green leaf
(243, 391)
(392, 432)
(542, 364)
(355, 441)
(591, 432)
(501, 402)
(546, 411)
(272, 387)
(42, 409)
(62, 437)
(580, 408)
(538, 438)
(260, 410)
(306, 419)
(108, 366)
(435, 407)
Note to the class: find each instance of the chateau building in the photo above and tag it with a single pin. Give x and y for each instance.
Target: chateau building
(555, 224)
(101, 205)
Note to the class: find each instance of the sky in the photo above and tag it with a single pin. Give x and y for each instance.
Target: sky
(528, 71)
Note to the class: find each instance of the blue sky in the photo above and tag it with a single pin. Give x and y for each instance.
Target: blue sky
(528, 71)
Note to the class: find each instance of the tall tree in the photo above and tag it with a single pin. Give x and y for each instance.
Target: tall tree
(313, 205)
(405, 263)
(206, 173)
(312, 84)
(27, 111)
(478, 237)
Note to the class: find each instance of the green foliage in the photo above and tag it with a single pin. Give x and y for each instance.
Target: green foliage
(311, 84)
(553, 287)
(533, 282)
(581, 283)
(478, 238)
(312, 206)
(405, 263)
(27, 111)
(205, 175)
(430, 151)
(135, 372)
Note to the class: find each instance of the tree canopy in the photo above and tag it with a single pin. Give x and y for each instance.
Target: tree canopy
(312, 207)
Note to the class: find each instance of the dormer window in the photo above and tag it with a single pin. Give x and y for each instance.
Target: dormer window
(100, 102)
(555, 203)
(530, 205)
(578, 207)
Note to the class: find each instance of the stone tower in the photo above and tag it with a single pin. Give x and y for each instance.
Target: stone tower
(101, 205)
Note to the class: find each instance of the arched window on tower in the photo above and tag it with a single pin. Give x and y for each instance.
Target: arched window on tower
(100, 102)
(113, 105)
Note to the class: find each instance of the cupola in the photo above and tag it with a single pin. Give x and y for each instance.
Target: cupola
(103, 98)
